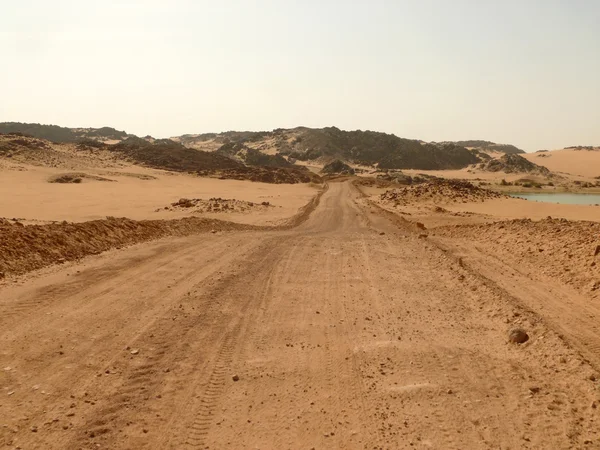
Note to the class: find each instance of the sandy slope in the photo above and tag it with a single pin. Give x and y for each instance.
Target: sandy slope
(584, 163)
(346, 332)
(26, 194)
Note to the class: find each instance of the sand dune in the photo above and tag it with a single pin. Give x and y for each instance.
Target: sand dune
(584, 163)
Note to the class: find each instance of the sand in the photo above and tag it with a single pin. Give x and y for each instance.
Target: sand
(27, 195)
(348, 331)
(366, 323)
(583, 163)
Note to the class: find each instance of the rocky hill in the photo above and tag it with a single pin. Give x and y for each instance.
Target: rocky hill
(337, 167)
(280, 147)
(490, 146)
(54, 133)
(359, 147)
(512, 163)
(251, 156)
(170, 155)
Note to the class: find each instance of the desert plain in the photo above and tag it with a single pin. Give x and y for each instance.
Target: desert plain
(150, 308)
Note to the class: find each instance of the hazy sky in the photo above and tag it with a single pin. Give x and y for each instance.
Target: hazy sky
(521, 72)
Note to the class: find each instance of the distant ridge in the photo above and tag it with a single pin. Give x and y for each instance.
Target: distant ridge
(54, 133)
(369, 148)
(282, 147)
(490, 146)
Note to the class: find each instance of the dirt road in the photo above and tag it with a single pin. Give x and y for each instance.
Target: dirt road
(345, 332)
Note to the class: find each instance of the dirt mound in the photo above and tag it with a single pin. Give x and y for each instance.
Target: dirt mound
(439, 191)
(14, 143)
(338, 167)
(558, 248)
(25, 248)
(29, 247)
(216, 205)
(275, 175)
(513, 163)
(75, 178)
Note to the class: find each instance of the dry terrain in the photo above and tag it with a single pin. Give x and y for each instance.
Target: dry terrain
(351, 330)
(147, 308)
(137, 193)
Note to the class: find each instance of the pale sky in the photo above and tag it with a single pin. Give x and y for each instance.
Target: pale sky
(524, 72)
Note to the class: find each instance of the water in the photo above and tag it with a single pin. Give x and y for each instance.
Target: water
(563, 197)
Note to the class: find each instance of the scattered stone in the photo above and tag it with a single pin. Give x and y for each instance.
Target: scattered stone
(34, 429)
(534, 389)
(135, 351)
(518, 336)
(235, 378)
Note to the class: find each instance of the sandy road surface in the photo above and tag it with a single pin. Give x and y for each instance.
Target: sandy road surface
(345, 332)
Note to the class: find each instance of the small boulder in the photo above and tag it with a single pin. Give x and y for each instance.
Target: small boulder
(518, 336)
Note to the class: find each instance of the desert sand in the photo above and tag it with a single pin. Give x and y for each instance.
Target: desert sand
(137, 193)
(584, 163)
(337, 316)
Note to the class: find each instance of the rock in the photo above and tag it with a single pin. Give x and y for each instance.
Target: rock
(518, 336)
(2, 276)
(381, 233)
(135, 351)
(235, 378)
(421, 226)
(213, 231)
(534, 389)
(597, 250)
(184, 203)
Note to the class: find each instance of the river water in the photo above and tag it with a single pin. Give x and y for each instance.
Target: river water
(562, 197)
